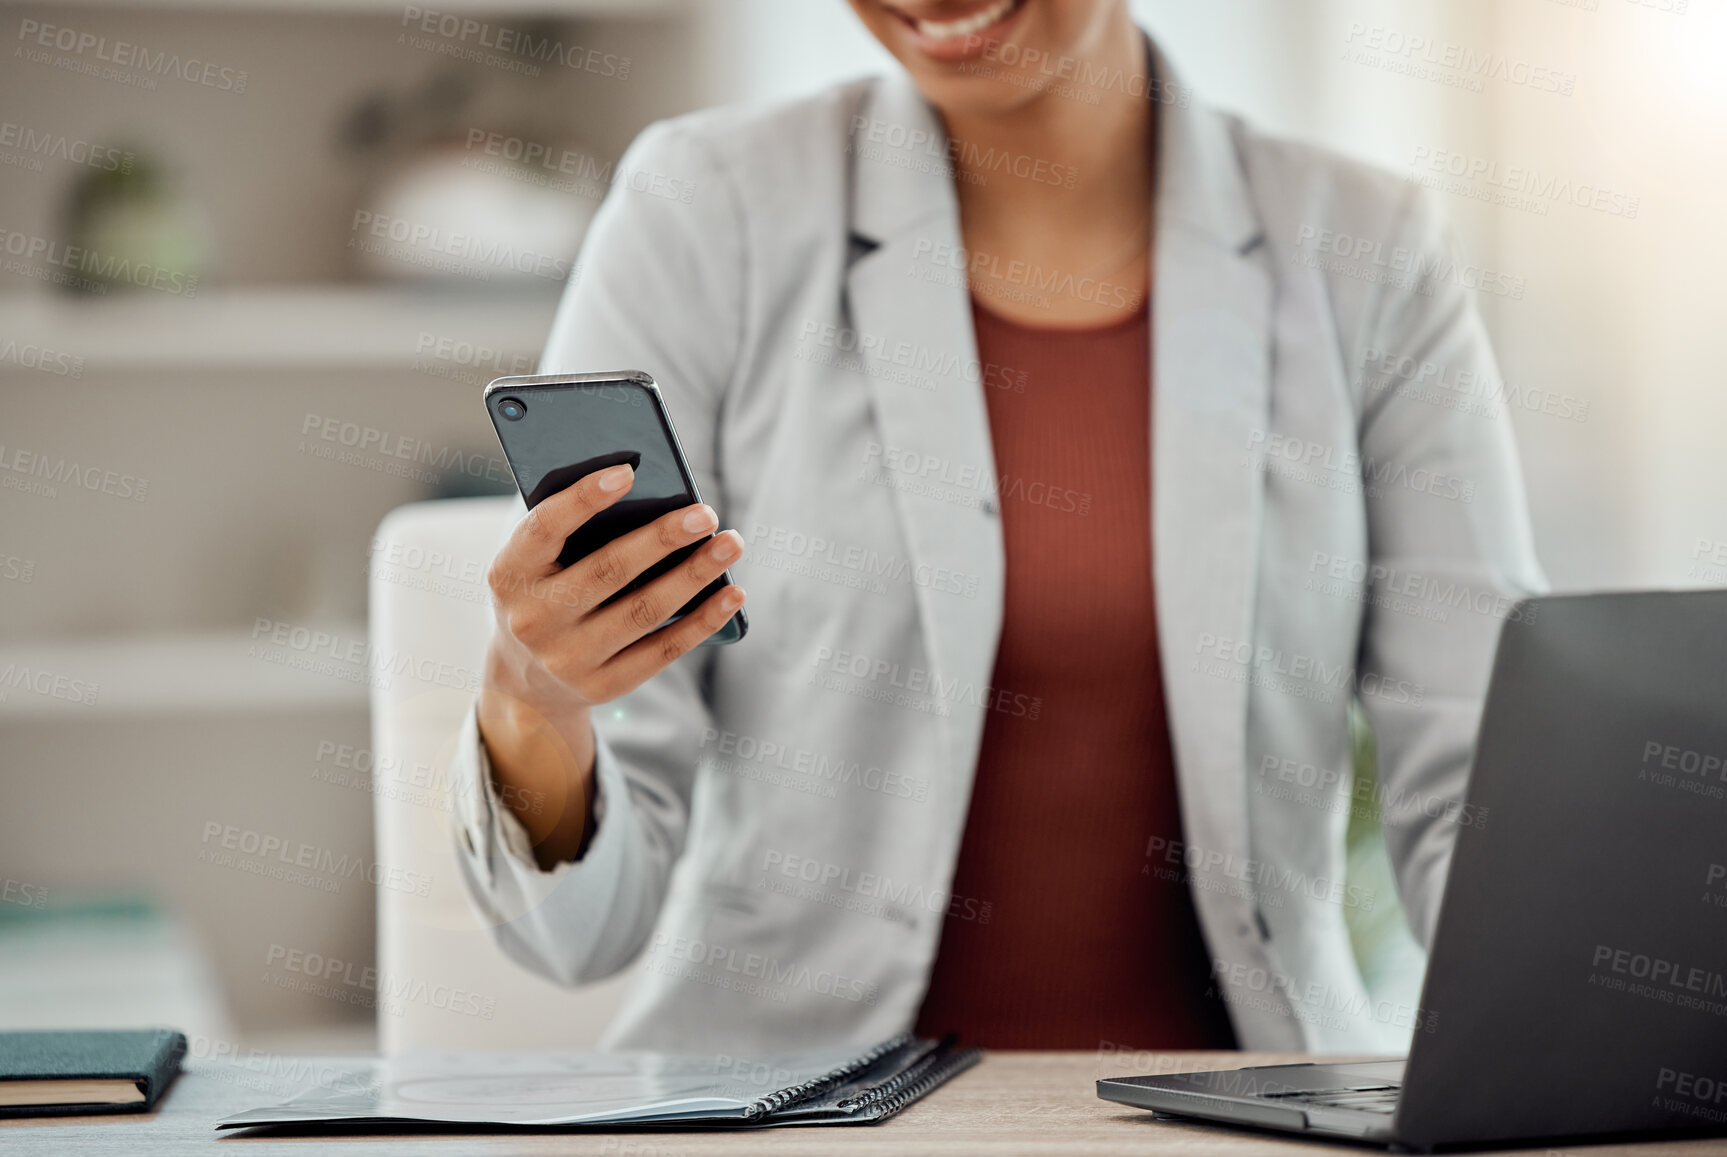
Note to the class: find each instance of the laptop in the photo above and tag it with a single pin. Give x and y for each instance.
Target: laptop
(1577, 984)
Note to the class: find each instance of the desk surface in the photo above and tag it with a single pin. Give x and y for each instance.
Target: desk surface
(1013, 1103)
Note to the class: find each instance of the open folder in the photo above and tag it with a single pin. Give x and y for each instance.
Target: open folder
(630, 1090)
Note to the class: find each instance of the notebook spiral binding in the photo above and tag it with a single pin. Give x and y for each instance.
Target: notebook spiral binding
(896, 1094)
(819, 1085)
(893, 1084)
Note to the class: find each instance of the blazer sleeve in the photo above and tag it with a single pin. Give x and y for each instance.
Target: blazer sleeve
(1447, 521)
(658, 287)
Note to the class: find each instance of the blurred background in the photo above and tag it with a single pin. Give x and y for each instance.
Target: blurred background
(225, 355)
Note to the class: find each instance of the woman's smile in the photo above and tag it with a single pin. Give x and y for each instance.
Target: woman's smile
(957, 33)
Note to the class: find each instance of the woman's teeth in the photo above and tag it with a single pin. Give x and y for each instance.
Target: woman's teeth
(971, 25)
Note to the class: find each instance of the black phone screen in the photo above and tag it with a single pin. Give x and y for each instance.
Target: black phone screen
(555, 434)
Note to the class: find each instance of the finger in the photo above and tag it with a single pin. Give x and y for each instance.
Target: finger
(644, 659)
(642, 611)
(605, 572)
(534, 545)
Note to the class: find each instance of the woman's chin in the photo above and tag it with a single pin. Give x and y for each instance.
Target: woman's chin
(976, 95)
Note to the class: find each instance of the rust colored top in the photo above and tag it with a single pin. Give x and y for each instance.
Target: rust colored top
(1087, 939)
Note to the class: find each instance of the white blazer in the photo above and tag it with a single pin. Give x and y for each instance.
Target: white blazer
(779, 819)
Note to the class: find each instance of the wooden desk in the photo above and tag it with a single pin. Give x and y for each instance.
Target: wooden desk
(1013, 1103)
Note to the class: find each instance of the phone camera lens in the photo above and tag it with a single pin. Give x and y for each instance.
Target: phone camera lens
(512, 408)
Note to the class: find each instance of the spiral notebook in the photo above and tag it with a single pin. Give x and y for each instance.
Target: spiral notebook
(627, 1090)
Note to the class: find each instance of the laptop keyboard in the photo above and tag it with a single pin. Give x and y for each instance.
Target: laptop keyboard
(1367, 1098)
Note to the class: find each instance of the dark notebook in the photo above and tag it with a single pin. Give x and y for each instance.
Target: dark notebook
(627, 1090)
(49, 1074)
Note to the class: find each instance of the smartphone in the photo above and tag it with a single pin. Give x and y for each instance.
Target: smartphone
(558, 428)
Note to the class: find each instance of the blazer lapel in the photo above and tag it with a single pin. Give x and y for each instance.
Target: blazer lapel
(1212, 299)
(1211, 336)
(936, 451)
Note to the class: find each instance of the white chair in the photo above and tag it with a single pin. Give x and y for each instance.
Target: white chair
(442, 982)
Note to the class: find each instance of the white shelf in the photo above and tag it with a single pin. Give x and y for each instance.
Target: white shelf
(274, 328)
(73, 966)
(518, 8)
(198, 672)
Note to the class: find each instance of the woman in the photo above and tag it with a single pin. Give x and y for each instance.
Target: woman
(1066, 423)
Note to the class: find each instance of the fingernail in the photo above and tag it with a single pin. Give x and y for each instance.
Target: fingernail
(616, 478)
(727, 546)
(700, 518)
(732, 598)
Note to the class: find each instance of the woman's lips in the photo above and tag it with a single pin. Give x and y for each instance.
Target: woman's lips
(963, 37)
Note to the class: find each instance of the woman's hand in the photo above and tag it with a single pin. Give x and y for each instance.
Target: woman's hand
(556, 652)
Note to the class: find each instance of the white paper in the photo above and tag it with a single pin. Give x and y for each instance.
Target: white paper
(552, 1088)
